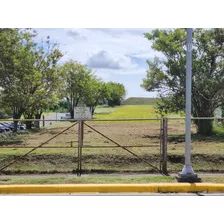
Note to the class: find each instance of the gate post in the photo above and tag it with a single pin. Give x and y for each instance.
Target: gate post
(80, 144)
(164, 145)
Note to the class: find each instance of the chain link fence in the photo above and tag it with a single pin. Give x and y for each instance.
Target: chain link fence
(44, 150)
(107, 146)
(207, 151)
(122, 145)
(130, 145)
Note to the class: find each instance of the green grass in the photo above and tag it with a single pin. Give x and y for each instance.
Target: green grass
(139, 101)
(104, 110)
(127, 111)
(103, 179)
(87, 180)
(207, 152)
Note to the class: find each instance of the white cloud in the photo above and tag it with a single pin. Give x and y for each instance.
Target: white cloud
(109, 51)
(126, 42)
(110, 60)
(76, 35)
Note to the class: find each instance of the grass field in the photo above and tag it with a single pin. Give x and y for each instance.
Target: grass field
(127, 111)
(101, 179)
(144, 137)
(139, 101)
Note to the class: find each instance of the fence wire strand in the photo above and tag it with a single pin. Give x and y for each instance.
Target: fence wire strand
(129, 151)
(20, 157)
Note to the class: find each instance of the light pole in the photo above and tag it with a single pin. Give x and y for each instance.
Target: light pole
(187, 173)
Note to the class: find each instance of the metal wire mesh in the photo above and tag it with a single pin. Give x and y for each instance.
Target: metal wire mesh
(128, 145)
(56, 147)
(207, 151)
(141, 137)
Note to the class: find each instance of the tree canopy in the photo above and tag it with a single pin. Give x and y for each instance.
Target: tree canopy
(82, 86)
(167, 74)
(117, 93)
(28, 72)
(32, 79)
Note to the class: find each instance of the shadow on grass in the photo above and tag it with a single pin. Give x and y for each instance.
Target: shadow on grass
(216, 137)
(151, 136)
(15, 138)
(10, 142)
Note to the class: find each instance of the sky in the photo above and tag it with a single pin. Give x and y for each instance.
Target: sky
(117, 55)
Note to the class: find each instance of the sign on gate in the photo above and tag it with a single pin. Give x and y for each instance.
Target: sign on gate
(82, 113)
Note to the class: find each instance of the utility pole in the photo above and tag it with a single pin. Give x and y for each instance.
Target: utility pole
(187, 174)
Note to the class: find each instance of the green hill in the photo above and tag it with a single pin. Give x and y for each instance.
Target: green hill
(139, 101)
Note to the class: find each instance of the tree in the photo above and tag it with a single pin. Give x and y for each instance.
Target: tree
(47, 83)
(76, 81)
(167, 75)
(27, 73)
(5, 111)
(98, 91)
(15, 45)
(116, 93)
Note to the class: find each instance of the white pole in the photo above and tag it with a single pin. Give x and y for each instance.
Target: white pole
(187, 170)
(188, 99)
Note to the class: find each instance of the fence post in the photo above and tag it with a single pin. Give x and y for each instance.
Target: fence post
(161, 145)
(164, 146)
(80, 144)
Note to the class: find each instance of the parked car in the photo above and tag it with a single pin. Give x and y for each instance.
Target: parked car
(10, 125)
(2, 130)
(4, 127)
(21, 126)
(7, 125)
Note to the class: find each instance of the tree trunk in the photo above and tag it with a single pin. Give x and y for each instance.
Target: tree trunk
(203, 109)
(92, 108)
(205, 127)
(15, 126)
(72, 113)
(16, 115)
(70, 107)
(222, 109)
(37, 123)
(28, 124)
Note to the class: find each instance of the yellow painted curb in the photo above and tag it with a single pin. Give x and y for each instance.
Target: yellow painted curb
(112, 188)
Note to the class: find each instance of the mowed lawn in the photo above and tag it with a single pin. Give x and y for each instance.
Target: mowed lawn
(126, 111)
(100, 155)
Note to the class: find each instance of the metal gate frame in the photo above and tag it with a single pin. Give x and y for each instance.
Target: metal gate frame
(163, 144)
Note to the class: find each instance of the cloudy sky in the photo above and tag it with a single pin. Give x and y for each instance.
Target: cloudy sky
(118, 55)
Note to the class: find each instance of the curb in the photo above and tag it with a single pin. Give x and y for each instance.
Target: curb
(112, 188)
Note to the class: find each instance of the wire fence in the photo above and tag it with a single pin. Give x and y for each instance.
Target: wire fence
(122, 145)
(207, 151)
(128, 145)
(107, 146)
